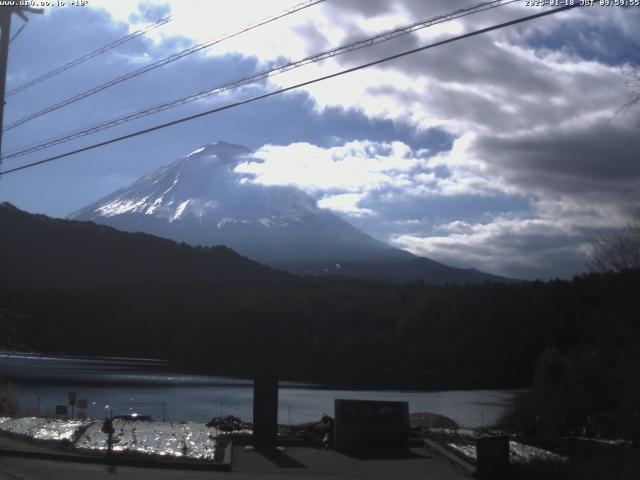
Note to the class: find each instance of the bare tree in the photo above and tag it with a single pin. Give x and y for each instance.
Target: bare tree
(632, 72)
(620, 248)
(615, 251)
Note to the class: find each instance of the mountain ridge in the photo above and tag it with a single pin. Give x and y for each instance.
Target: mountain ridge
(39, 251)
(200, 199)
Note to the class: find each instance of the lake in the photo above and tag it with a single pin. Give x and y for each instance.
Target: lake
(152, 387)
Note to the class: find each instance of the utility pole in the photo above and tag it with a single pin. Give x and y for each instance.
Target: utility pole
(5, 24)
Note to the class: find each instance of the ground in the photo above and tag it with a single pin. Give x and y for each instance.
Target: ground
(292, 462)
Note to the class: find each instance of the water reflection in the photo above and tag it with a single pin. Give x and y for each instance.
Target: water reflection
(153, 388)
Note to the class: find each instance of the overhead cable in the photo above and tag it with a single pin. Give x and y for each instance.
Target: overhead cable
(293, 87)
(88, 56)
(13, 37)
(158, 64)
(350, 47)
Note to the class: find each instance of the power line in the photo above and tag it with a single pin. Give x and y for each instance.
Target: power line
(6, 13)
(88, 56)
(159, 63)
(13, 37)
(293, 87)
(357, 45)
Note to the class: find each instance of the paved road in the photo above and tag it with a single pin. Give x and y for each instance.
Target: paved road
(13, 468)
(293, 462)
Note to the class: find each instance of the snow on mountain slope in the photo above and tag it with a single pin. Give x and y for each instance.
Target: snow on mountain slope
(200, 200)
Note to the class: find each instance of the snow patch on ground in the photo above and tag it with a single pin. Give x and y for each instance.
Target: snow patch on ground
(228, 221)
(267, 222)
(180, 210)
(43, 428)
(197, 150)
(119, 207)
(178, 439)
(224, 221)
(188, 439)
(156, 203)
(518, 452)
(175, 182)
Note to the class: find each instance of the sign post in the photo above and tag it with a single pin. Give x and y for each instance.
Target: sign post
(72, 402)
(82, 406)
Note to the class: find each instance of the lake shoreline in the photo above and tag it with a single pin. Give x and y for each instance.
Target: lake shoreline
(41, 384)
(357, 381)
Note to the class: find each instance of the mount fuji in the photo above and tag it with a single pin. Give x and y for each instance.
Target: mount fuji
(201, 200)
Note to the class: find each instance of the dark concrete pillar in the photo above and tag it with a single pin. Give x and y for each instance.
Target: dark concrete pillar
(265, 411)
(492, 458)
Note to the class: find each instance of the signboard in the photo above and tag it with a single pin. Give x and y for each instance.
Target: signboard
(72, 398)
(82, 404)
(368, 424)
(61, 410)
(372, 413)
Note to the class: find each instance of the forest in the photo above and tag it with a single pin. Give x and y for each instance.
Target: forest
(575, 342)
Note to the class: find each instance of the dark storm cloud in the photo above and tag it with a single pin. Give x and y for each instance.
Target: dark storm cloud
(401, 213)
(602, 158)
(532, 114)
(525, 248)
(540, 99)
(418, 8)
(368, 8)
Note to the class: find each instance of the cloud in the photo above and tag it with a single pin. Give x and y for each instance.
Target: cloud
(532, 120)
(370, 167)
(526, 248)
(549, 240)
(202, 21)
(345, 203)
(500, 152)
(589, 159)
(357, 166)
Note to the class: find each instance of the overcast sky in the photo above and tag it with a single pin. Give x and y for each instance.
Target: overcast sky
(502, 152)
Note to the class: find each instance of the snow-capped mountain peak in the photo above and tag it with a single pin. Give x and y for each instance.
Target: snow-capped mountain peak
(195, 186)
(201, 199)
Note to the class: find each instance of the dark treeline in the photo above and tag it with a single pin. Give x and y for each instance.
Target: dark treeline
(38, 251)
(343, 331)
(81, 288)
